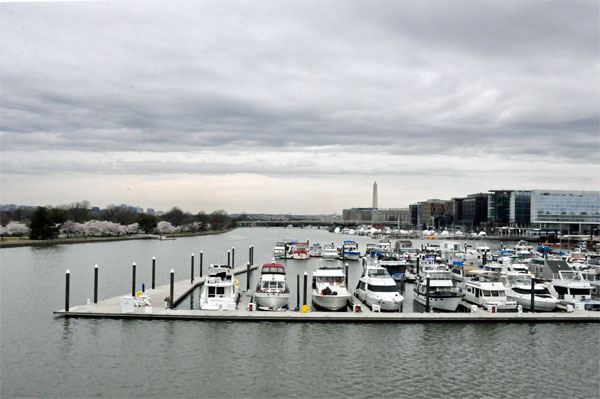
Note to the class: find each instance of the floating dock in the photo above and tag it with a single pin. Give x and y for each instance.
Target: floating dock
(112, 308)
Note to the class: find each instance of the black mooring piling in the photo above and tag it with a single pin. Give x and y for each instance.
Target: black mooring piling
(67, 289)
(201, 261)
(153, 271)
(298, 291)
(96, 284)
(532, 295)
(133, 280)
(305, 287)
(172, 290)
(192, 270)
(248, 277)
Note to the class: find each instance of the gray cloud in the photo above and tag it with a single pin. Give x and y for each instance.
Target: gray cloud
(512, 79)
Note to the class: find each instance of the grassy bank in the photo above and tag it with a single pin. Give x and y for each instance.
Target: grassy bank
(12, 242)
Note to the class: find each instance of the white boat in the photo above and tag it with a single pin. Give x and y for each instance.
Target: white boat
(482, 290)
(220, 290)
(329, 289)
(376, 287)
(518, 288)
(570, 288)
(280, 250)
(315, 251)
(349, 251)
(330, 251)
(272, 292)
(384, 245)
(300, 253)
(442, 294)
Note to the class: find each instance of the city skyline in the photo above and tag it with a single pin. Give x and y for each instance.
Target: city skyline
(279, 108)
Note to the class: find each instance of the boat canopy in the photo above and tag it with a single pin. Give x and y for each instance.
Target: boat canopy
(273, 268)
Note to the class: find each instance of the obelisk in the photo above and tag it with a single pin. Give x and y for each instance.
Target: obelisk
(375, 195)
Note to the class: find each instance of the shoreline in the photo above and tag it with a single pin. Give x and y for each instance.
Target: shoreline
(88, 240)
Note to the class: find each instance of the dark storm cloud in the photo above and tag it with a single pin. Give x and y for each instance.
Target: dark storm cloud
(509, 78)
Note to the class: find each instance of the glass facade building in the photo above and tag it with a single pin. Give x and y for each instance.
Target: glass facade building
(520, 208)
(553, 206)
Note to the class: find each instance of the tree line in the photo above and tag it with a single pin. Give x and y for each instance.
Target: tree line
(46, 222)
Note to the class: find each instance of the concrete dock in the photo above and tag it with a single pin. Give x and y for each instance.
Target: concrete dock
(111, 308)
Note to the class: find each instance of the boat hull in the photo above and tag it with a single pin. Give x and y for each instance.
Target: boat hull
(386, 305)
(350, 256)
(274, 301)
(330, 302)
(541, 304)
(447, 303)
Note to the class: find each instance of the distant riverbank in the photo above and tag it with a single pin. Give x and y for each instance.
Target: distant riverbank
(12, 242)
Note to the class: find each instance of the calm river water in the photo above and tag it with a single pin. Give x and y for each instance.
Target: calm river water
(43, 356)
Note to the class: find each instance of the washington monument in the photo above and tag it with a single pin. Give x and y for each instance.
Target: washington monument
(375, 195)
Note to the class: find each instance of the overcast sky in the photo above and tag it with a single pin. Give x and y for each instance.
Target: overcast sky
(295, 106)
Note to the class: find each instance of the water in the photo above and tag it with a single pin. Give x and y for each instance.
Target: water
(55, 357)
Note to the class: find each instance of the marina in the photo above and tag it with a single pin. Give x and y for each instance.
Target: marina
(181, 344)
(330, 300)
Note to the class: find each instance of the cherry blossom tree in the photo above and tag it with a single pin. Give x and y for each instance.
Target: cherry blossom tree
(164, 228)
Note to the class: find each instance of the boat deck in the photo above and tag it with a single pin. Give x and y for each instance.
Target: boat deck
(111, 308)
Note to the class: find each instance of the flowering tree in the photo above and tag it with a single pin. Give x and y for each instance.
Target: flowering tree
(15, 229)
(69, 227)
(164, 228)
(133, 228)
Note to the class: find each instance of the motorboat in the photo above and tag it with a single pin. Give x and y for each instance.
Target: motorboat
(396, 266)
(570, 288)
(442, 294)
(272, 291)
(486, 291)
(280, 250)
(349, 251)
(220, 290)
(315, 251)
(330, 252)
(384, 244)
(518, 288)
(461, 272)
(593, 276)
(300, 251)
(329, 288)
(376, 287)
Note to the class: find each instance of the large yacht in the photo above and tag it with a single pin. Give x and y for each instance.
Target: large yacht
(486, 291)
(518, 288)
(442, 294)
(220, 290)
(376, 287)
(272, 292)
(570, 288)
(329, 288)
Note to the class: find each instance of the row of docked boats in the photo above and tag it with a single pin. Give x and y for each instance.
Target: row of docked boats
(444, 277)
(298, 250)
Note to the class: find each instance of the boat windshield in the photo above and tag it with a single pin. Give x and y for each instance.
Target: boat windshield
(273, 270)
(378, 273)
(272, 285)
(383, 288)
(331, 280)
(493, 293)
